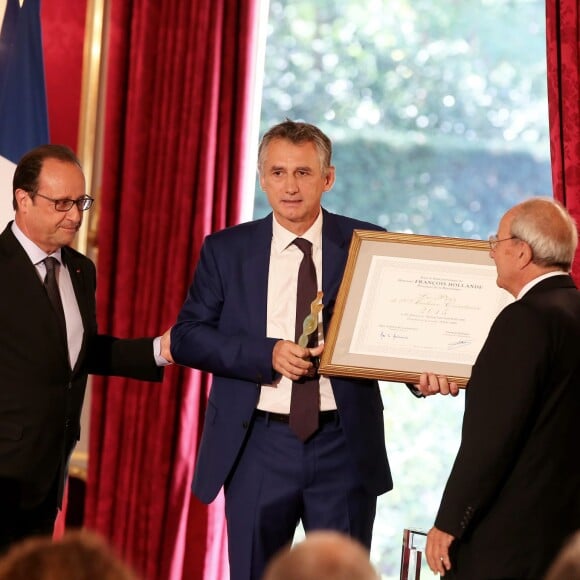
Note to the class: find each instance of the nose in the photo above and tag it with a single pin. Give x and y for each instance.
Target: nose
(74, 214)
(291, 183)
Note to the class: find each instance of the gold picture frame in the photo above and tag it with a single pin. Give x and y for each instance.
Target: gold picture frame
(409, 304)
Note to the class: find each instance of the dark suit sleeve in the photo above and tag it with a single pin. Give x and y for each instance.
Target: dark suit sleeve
(212, 332)
(501, 398)
(108, 355)
(132, 358)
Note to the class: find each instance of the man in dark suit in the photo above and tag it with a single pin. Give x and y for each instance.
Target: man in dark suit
(47, 348)
(238, 322)
(513, 496)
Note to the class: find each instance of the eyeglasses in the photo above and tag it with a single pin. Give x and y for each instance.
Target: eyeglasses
(83, 203)
(493, 241)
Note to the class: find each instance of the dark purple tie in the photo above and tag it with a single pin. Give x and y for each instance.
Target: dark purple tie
(51, 285)
(305, 401)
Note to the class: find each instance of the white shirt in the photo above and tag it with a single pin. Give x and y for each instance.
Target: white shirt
(285, 258)
(74, 323)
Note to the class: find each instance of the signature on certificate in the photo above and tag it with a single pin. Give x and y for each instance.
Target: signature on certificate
(458, 344)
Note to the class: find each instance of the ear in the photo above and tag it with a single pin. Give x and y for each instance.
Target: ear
(329, 178)
(22, 199)
(525, 254)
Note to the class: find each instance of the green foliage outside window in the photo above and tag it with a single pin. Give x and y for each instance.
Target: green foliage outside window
(437, 108)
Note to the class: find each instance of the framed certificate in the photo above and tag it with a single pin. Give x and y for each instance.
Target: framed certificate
(409, 304)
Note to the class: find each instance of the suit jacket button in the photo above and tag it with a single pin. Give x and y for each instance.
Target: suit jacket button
(245, 424)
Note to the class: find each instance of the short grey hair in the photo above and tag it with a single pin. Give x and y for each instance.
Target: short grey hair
(298, 132)
(549, 230)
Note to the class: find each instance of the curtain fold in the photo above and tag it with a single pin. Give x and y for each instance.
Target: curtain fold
(179, 81)
(563, 55)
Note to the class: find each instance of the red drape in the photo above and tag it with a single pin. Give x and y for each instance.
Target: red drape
(63, 34)
(563, 53)
(177, 117)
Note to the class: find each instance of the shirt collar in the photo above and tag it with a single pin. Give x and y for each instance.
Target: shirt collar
(35, 254)
(537, 280)
(282, 238)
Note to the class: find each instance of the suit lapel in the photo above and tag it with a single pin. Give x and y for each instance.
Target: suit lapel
(77, 274)
(334, 255)
(256, 270)
(26, 294)
(257, 264)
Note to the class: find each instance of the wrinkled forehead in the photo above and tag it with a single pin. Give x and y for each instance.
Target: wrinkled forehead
(61, 176)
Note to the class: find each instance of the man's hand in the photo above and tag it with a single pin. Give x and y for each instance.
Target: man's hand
(293, 361)
(166, 346)
(437, 550)
(430, 384)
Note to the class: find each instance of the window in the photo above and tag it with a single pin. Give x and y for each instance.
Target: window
(438, 114)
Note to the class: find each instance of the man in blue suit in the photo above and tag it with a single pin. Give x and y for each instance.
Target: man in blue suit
(238, 322)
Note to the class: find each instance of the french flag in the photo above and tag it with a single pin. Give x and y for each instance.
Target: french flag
(23, 107)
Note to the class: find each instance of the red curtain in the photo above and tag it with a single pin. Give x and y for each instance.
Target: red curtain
(177, 122)
(563, 53)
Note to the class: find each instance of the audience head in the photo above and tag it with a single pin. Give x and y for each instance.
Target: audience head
(323, 555)
(77, 556)
(566, 566)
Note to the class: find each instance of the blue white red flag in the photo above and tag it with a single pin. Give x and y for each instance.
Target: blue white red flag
(23, 107)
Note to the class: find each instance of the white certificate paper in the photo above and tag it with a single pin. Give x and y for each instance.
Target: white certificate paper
(425, 309)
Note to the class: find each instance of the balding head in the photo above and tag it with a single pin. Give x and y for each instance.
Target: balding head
(323, 555)
(548, 229)
(534, 238)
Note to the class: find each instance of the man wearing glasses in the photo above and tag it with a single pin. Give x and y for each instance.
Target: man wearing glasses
(513, 496)
(49, 341)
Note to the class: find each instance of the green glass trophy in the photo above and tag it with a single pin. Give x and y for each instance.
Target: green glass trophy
(310, 323)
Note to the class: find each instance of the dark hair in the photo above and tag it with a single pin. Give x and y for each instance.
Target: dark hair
(30, 165)
(298, 132)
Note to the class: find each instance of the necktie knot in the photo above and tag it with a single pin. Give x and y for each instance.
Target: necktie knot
(51, 265)
(304, 245)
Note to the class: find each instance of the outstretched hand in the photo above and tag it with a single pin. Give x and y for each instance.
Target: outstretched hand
(166, 346)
